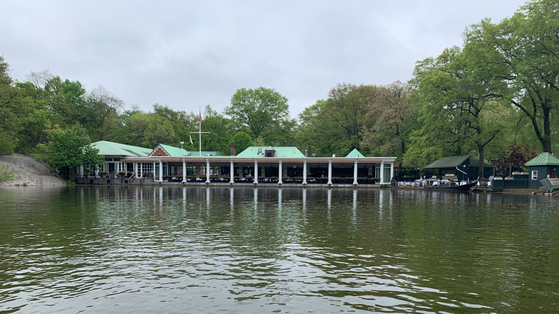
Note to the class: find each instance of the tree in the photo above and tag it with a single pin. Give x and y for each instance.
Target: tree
(242, 141)
(7, 174)
(524, 55)
(258, 109)
(68, 149)
(103, 108)
(221, 131)
(393, 118)
(307, 135)
(346, 110)
(455, 92)
(67, 103)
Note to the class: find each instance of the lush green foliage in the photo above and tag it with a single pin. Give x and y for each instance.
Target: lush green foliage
(68, 149)
(7, 174)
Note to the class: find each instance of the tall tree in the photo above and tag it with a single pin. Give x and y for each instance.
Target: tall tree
(344, 116)
(68, 149)
(307, 135)
(394, 119)
(103, 108)
(9, 101)
(258, 109)
(525, 56)
(456, 92)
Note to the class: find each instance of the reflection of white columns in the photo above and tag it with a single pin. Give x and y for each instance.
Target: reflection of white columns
(231, 172)
(305, 205)
(255, 171)
(280, 176)
(232, 198)
(208, 198)
(330, 172)
(355, 172)
(160, 171)
(207, 171)
(354, 208)
(183, 171)
(305, 172)
(255, 198)
(329, 203)
(184, 198)
(279, 198)
(382, 172)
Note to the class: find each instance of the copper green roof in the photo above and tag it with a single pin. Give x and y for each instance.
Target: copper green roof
(354, 153)
(260, 151)
(447, 162)
(181, 152)
(107, 148)
(174, 151)
(543, 159)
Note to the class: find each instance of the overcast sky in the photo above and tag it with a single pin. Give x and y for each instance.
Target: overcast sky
(187, 54)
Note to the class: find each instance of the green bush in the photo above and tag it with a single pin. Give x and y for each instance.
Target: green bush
(7, 174)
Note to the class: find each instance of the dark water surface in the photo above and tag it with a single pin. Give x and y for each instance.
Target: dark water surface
(246, 250)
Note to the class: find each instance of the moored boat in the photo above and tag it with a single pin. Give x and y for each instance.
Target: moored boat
(452, 187)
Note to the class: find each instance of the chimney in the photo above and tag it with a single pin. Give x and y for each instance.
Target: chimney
(232, 151)
(182, 144)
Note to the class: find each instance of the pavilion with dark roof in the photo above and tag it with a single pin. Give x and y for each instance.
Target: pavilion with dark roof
(463, 167)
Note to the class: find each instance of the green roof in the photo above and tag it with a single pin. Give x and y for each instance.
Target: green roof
(354, 153)
(181, 152)
(282, 152)
(543, 159)
(107, 148)
(174, 151)
(447, 162)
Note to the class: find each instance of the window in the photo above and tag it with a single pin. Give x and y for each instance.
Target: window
(534, 174)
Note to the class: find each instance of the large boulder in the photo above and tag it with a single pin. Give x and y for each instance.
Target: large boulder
(29, 171)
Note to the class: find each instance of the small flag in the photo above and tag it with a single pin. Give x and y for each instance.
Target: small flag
(200, 118)
(191, 140)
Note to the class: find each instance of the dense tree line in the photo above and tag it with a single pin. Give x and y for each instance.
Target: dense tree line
(495, 98)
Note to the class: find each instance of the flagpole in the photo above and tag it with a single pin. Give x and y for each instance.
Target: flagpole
(199, 133)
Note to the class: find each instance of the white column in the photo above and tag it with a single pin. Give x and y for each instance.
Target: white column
(391, 170)
(255, 171)
(183, 171)
(231, 172)
(355, 172)
(207, 171)
(305, 172)
(81, 171)
(141, 170)
(382, 172)
(280, 176)
(330, 172)
(160, 171)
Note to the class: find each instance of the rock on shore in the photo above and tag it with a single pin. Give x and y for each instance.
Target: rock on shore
(29, 171)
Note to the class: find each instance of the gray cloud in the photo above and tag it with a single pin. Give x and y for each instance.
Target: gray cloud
(187, 54)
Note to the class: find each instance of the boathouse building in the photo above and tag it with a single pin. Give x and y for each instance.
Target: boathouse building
(256, 165)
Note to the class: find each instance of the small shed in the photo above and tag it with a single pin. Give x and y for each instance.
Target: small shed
(463, 167)
(540, 167)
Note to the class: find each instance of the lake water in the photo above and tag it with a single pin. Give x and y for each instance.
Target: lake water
(269, 250)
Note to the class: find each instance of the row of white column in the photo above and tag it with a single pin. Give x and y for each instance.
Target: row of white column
(280, 172)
